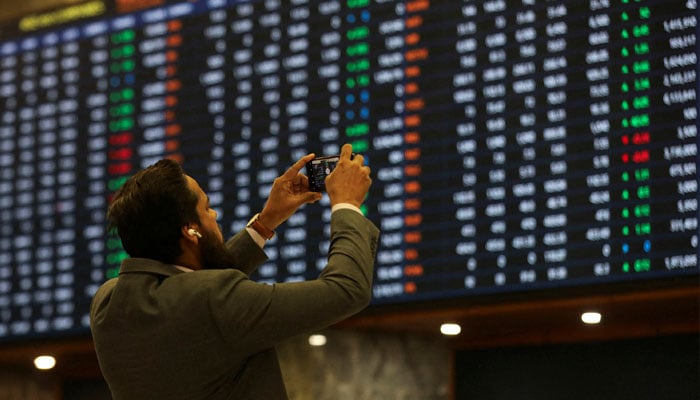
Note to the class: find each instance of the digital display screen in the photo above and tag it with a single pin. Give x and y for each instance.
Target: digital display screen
(515, 145)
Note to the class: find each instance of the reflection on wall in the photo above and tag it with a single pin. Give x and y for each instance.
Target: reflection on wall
(15, 385)
(366, 366)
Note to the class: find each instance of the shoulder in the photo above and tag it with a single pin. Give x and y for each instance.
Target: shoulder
(201, 284)
(105, 290)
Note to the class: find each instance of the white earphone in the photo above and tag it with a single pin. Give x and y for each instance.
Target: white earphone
(193, 232)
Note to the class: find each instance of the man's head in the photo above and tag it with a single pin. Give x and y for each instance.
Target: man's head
(155, 212)
(150, 210)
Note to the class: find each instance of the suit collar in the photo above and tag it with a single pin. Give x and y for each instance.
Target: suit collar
(147, 265)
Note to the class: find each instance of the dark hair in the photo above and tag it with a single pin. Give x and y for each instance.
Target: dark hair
(149, 211)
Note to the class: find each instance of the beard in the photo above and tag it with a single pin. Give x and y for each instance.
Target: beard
(215, 253)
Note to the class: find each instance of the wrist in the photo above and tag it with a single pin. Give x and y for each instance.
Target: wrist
(268, 220)
(258, 224)
(346, 206)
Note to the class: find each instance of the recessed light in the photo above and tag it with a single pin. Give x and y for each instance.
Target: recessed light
(45, 362)
(450, 329)
(591, 317)
(317, 340)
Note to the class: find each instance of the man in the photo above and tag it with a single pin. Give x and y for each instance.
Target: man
(181, 323)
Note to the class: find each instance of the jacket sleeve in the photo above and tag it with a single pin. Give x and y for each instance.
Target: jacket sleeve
(248, 254)
(258, 316)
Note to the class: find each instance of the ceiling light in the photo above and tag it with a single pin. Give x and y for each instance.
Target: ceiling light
(45, 362)
(450, 329)
(591, 317)
(317, 340)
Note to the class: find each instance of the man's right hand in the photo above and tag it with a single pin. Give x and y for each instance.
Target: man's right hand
(350, 180)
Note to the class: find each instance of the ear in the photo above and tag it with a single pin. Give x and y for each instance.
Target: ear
(191, 233)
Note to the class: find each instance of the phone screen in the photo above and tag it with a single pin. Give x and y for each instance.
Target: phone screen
(318, 169)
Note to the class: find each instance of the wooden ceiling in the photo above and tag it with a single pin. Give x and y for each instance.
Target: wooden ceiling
(544, 319)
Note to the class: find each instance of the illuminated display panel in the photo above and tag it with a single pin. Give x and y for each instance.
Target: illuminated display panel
(514, 145)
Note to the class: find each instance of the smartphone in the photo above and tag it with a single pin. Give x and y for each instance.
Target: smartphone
(318, 169)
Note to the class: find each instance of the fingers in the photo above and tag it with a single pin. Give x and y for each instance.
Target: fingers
(346, 151)
(294, 169)
(359, 159)
(298, 183)
(312, 197)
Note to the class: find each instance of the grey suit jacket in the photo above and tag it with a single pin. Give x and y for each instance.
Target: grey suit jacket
(161, 333)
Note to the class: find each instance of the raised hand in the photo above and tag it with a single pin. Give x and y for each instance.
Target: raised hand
(289, 192)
